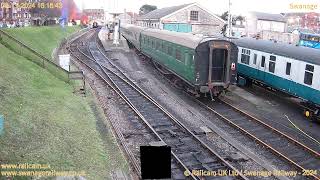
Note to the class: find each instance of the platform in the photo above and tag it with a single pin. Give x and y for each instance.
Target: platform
(108, 44)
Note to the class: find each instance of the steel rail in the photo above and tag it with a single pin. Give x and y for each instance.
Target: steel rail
(174, 120)
(272, 128)
(129, 154)
(32, 50)
(163, 109)
(115, 126)
(276, 152)
(265, 144)
(133, 161)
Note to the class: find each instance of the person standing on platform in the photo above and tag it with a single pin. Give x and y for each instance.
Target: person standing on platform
(108, 32)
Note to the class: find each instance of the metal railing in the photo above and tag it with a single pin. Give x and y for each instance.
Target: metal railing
(29, 53)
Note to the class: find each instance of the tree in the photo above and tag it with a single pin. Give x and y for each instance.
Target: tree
(224, 16)
(146, 9)
(224, 29)
(240, 18)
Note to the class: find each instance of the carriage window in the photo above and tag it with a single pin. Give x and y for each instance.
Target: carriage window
(263, 59)
(308, 76)
(288, 68)
(152, 43)
(178, 54)
(170, 51)
(245, 56)
(190, 59)
(255, 56)
(272, 64)
(309, 68)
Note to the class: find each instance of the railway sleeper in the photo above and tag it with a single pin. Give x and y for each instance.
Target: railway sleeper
(158, 121)
(263, 135)
(253, 128)
(313, 162)
(273, 140)
(160, 129)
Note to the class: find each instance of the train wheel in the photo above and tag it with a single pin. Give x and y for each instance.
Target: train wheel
(248, 82)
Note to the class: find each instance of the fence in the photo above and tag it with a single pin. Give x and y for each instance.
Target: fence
(32, 55)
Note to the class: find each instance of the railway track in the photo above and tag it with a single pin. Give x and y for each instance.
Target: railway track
(296, 153)
(188, 151)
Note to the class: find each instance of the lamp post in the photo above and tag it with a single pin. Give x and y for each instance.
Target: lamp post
(229, 32)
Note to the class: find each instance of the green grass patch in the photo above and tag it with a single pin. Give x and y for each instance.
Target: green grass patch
(43, 39)
(46, 123)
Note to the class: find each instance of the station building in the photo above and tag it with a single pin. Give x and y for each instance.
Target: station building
(94, 14)
(191, 18)
(128, 17)
(256, 22)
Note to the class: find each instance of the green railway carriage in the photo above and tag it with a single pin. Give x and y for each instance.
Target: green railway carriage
(205, 64)
(132, 34)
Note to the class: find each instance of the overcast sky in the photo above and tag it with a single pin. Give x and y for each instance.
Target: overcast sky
(215, 6)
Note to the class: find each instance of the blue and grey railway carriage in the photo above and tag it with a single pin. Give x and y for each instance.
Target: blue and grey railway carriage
(292, 69)
(204, 64)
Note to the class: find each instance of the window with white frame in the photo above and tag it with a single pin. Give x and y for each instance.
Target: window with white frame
(245, 56)
(272, 64)
(194, 15)
(288, 68)
(255, 56)
(263, 61)
(308, 76)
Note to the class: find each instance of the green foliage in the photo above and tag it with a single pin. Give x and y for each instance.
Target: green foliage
(44, 121)
(224, 16)
(43, 39)
(146, 9)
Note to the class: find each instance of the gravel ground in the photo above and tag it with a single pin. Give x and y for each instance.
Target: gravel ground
(191, 114)
(107, 100)
(274, 110)
(120, 114)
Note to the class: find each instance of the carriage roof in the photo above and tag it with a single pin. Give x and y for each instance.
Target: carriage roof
(183, 39)
(296, 52)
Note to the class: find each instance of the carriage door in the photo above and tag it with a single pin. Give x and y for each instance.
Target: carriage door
(218, 71)
(288, 75)
(262, 68)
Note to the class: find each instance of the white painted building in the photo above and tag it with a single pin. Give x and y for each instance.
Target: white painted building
(190, 18)
(256, 22)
